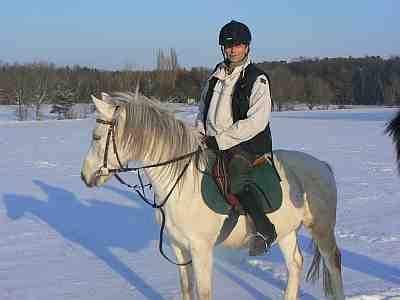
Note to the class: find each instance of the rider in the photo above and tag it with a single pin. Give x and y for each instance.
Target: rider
(233, 117)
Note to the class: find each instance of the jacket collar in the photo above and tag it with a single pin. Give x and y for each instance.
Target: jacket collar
(221, 73)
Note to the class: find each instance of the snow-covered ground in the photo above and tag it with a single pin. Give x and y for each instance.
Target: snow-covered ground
(61, 240)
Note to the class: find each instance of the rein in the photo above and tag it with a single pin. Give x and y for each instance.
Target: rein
(140, 188)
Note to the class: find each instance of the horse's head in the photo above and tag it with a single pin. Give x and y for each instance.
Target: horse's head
(142, 131)
(104, 152)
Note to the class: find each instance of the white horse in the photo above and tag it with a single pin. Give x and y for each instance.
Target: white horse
(146, 132)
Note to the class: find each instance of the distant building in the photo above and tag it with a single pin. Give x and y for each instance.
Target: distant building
(191, 101)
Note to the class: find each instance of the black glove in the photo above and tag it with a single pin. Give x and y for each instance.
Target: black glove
(211, 143)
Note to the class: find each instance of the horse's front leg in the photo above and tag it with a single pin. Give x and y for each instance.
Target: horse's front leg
(185, 272)
(202, 258)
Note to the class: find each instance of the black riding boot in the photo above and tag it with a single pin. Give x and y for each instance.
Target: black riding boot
(265, 231)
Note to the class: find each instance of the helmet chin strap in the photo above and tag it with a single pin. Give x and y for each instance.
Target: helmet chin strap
(226, 59)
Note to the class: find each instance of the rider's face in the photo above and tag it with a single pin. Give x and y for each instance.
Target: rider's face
(236, 53)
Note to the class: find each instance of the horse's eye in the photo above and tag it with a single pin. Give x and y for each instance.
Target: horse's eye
(96, 137)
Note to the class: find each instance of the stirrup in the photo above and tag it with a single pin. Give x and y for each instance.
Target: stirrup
(259, 244)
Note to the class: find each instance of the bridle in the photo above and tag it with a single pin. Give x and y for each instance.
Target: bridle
(140, 188)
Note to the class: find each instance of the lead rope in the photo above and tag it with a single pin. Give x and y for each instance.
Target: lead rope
(142, 195)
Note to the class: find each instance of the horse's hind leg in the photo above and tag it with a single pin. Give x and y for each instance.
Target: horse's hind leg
(320, 220)
(185, 272)
(332, 271)
(294, 263)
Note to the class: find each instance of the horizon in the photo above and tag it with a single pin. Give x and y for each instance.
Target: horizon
(112, 37)
(288, 61)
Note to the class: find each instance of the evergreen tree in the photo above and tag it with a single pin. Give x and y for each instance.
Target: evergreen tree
(63, 100)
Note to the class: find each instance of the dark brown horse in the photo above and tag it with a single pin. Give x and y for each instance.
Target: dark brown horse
(393, 130)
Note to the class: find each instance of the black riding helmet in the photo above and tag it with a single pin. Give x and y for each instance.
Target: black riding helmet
(234, 33)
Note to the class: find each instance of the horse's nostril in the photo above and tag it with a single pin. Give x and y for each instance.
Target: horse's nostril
(83, 178)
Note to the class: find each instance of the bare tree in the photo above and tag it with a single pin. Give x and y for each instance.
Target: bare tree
(392, 91)
(174, 59)
(280, 82)
(295, 88)
(167, 71)
(3, 97)
(317, 91)
(42, 86)
(21, 90)
(174, 66)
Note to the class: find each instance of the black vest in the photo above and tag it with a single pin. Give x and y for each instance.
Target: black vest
(262, 142)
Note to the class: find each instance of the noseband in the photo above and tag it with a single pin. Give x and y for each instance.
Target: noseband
(140, 188)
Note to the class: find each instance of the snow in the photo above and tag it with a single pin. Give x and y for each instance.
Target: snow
(61, 240)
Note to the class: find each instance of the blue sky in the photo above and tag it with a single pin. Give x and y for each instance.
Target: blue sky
(114, 34)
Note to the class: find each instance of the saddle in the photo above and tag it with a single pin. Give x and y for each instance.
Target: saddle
(221, 178)
(215, 188)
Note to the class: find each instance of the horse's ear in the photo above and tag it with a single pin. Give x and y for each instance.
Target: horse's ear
(104, 108)
(105, 97)
(137, 91)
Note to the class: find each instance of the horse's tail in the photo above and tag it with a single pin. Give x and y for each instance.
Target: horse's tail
(393, 130)
(314, 271)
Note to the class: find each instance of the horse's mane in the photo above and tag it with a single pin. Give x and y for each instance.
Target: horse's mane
(152, 130)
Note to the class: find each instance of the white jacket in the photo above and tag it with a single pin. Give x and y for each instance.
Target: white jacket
(219, 118)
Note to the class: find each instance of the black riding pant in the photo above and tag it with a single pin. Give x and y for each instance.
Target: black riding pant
(239, 165)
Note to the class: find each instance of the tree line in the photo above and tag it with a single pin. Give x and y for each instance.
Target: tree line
(369, 80)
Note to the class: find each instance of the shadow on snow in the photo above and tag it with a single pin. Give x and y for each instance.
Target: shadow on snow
(354, 261)
(99, 226)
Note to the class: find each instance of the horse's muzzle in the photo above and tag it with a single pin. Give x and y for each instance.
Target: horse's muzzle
(88, 184)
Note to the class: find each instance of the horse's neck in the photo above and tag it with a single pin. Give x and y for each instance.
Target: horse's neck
(163, 178)
(164, 183)
(161, 185)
